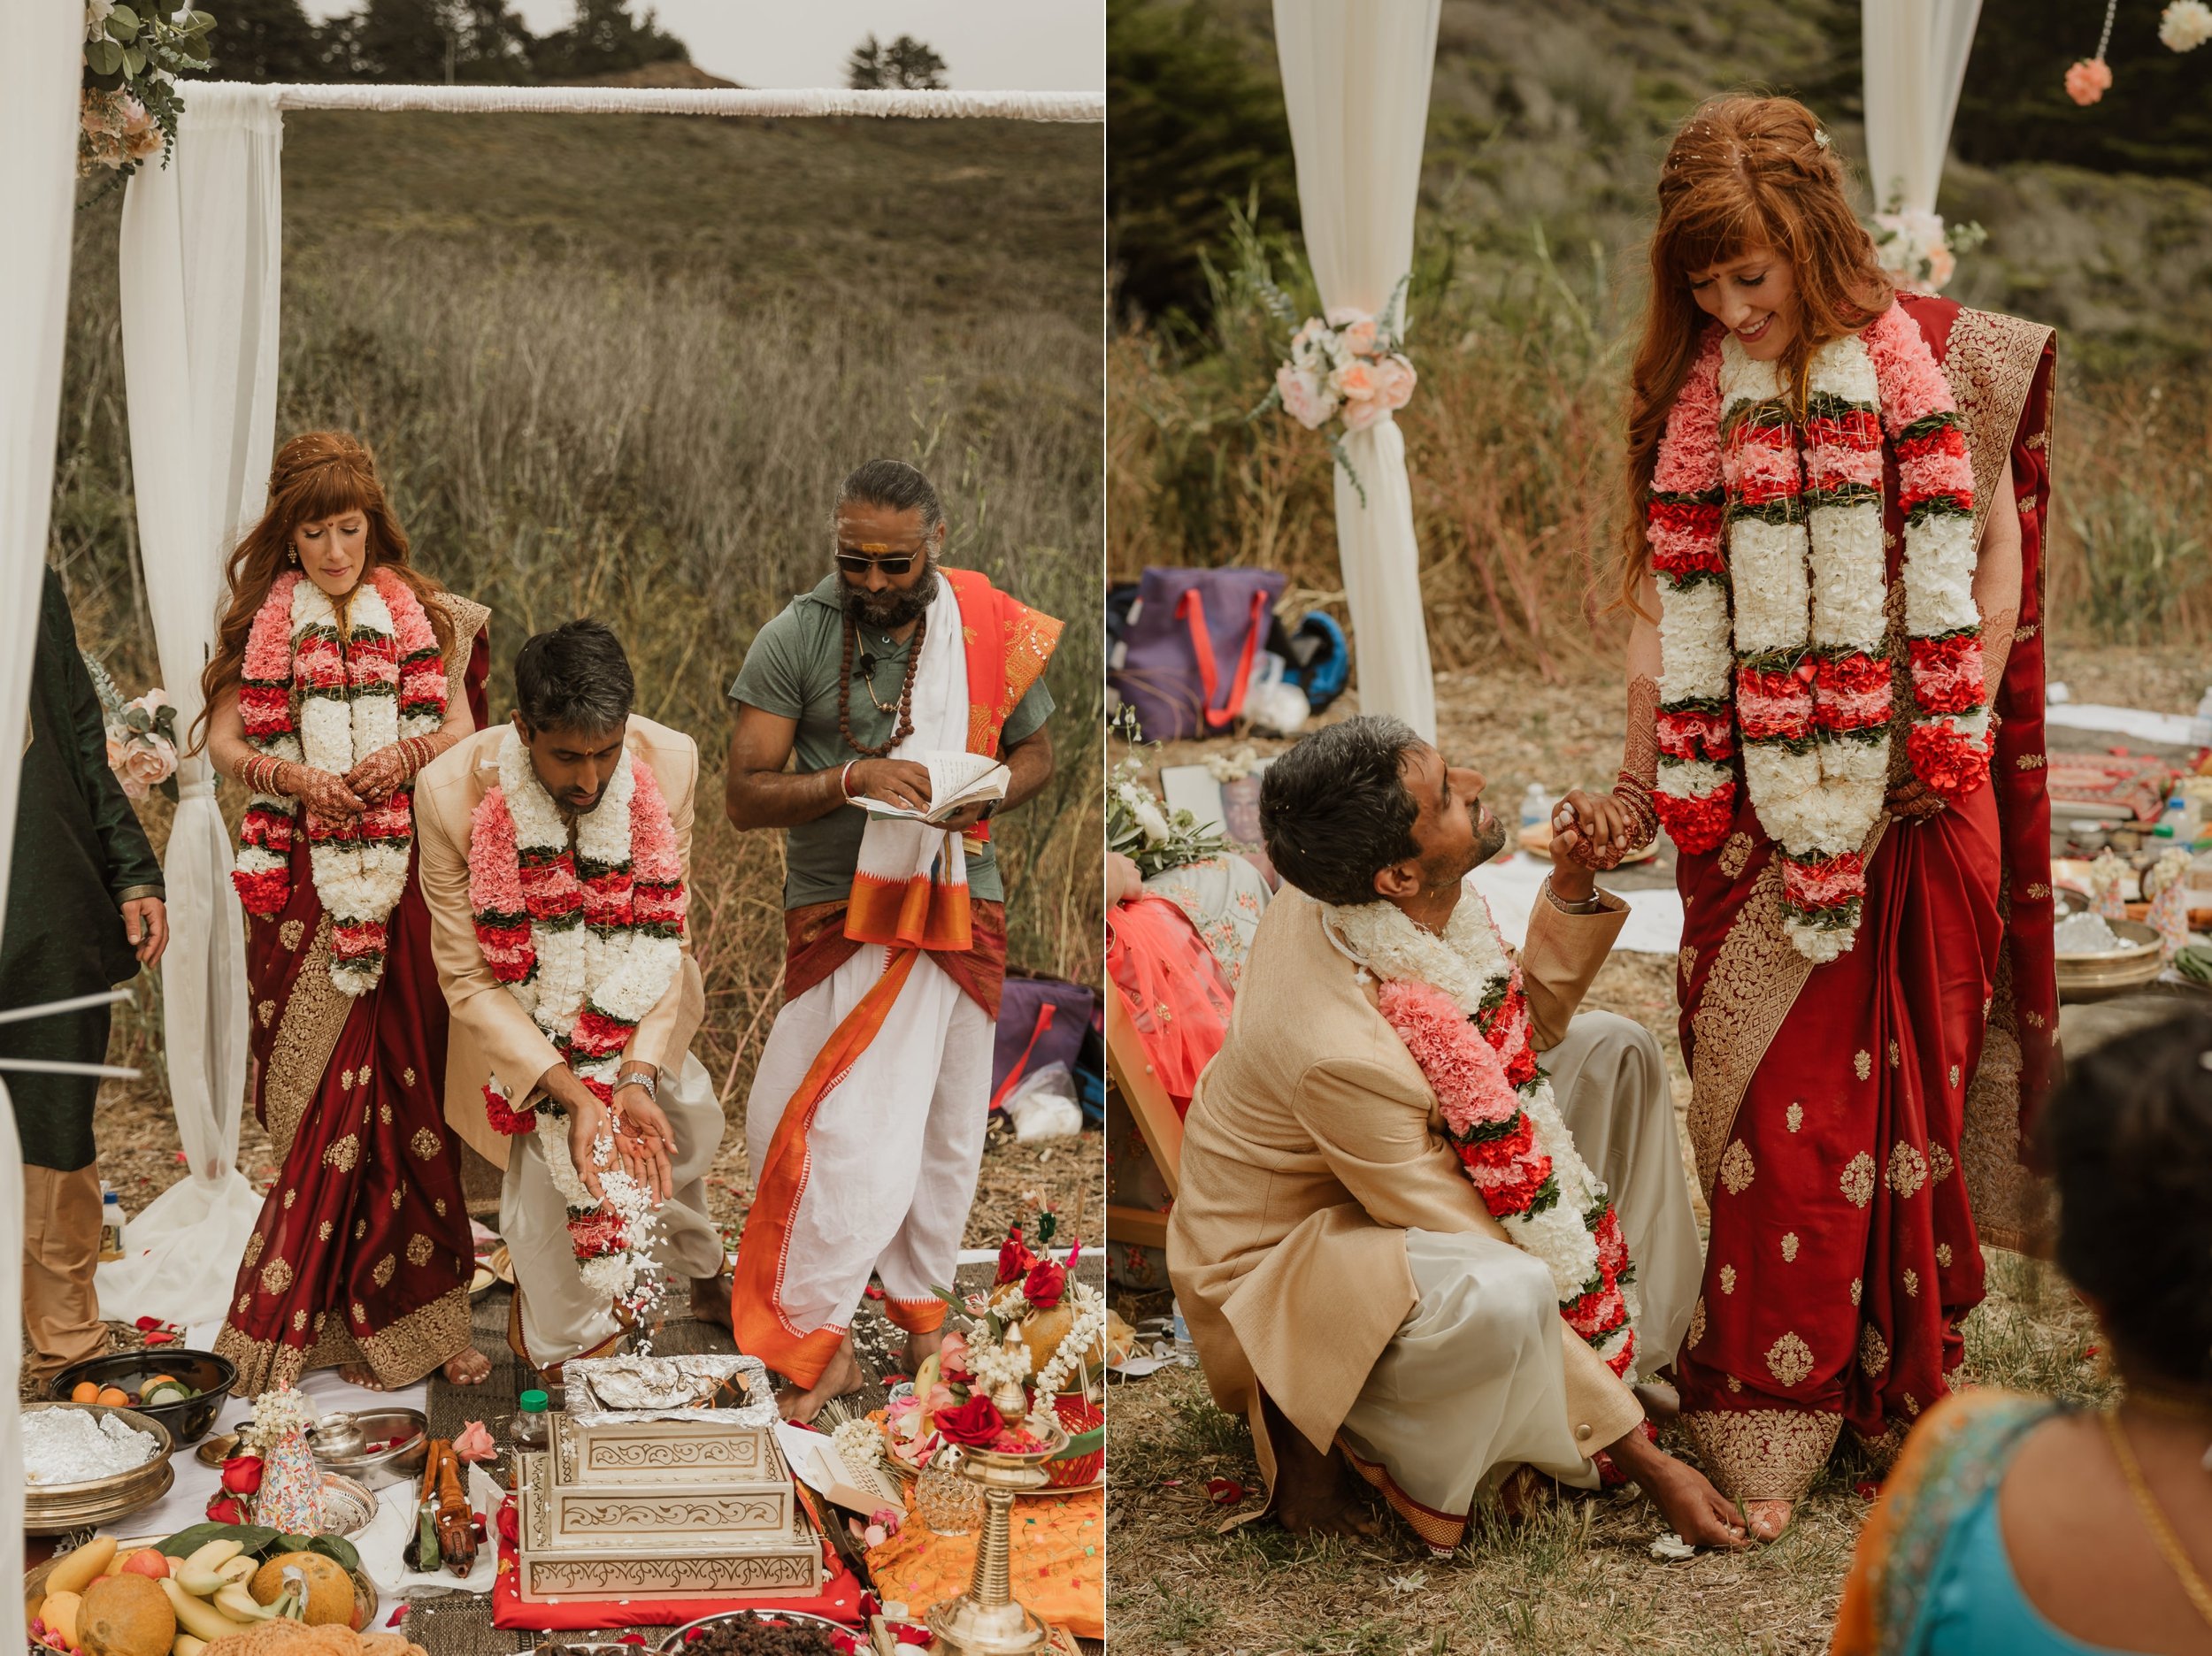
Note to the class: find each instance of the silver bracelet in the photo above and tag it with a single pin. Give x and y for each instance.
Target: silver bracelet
(647, 1079)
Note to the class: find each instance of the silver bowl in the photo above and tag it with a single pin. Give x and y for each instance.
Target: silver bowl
(58, 1508)
(400, 1463)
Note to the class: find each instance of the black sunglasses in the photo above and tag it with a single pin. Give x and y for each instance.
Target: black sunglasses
(861, 563)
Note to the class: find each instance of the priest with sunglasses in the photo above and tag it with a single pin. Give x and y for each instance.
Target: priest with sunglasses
(864, 1129)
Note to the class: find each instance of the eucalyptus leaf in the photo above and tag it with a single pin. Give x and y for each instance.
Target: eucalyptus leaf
(122, 22)
(103, 57)
(137, 720)
(194, 46)
(134, 61)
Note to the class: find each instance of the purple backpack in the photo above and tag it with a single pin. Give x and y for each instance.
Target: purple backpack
(1190, 649)
(1040, 1021)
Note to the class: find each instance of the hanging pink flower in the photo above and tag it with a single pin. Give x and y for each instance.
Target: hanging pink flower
(2088, 81)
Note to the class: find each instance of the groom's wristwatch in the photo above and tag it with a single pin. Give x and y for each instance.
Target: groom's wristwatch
(1594, 903)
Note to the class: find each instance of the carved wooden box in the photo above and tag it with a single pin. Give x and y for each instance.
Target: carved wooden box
(632, 1566)
(614, 1449)
(685, 1502)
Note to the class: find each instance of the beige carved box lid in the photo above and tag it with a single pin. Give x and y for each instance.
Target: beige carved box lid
(552, 1568)
(691, 1500)
(647, 1420)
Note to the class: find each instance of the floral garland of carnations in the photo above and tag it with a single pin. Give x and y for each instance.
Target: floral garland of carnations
(1346, 367)
(129, 107)
(588, 940)
(2183, 27)
(1458, 1004)
(1799, 673)
(362, 681)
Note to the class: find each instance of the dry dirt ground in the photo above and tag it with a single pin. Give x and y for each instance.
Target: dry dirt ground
(1579, 1576)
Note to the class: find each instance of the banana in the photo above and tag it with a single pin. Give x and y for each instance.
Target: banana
(198, 1617)
(186, 1645)
(211, 1558)
(234, 1601)
(205, 1583)
(80, 1570)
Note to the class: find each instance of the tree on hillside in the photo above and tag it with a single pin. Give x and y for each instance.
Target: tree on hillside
(606, 38)
(905, 65)
(476, 43)
(1197, 124)
(264, 40)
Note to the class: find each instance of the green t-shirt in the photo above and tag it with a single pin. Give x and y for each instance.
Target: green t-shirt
(791, 671)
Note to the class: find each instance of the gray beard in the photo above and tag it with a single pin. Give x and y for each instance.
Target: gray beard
(894, 610)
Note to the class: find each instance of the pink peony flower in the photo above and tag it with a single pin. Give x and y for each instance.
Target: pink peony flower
(1394, 380)
(952, 1356)
(1941, 264)
(1305, 398)
(2088, 81)
(151, 762)
(942, 1400)
(1361, 337)
(1354, 382)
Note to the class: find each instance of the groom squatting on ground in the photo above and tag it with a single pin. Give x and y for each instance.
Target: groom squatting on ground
(462, 928)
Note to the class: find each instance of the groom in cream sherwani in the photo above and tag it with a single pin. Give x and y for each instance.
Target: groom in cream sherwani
(1345, 1283)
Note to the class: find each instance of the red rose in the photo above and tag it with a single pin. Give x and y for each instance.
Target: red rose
(1014, 1257)
(595, 1235)
(1045, 1283)
(975, 1424)
(227, 1509)
(241, 1475)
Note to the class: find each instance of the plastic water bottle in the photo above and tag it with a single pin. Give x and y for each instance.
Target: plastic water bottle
(110, 1222)
(1186, 1347)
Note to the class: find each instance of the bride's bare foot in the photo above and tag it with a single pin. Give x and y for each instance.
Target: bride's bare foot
(1768, 1518)
(842, 1378)
(1315, 1494)
(468, 1367)
(360, 1375)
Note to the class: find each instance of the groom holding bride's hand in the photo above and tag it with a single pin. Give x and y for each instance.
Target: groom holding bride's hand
(1403, 1249)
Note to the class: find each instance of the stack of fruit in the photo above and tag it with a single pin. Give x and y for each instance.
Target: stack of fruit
(104, 1601)
(159, 1389)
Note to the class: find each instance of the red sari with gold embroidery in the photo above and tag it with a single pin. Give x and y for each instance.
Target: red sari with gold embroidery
(362, 1252)
(1858, 1124)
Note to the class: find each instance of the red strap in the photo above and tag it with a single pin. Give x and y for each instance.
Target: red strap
(1014, 1076)
(1191, 608)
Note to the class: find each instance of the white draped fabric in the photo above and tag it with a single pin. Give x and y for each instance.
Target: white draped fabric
(39, 73)
(1916, 62)
(201, 247)
(1356, 84)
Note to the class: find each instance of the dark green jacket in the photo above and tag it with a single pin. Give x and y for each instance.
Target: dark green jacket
(79, 853)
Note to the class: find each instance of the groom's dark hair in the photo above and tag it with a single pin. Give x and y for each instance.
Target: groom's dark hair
(1335, 811)
(575, 678)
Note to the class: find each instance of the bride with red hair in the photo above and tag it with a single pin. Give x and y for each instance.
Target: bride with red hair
(340, 670)
(1834, 558)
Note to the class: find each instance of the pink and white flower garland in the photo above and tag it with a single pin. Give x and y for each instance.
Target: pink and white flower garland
(327, 692)
(588, 941)
(1797, 669)
(1457, 1003)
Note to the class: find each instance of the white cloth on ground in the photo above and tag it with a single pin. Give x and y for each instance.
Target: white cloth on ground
(560, 1317)
(896, 1147)
(1471, 1385)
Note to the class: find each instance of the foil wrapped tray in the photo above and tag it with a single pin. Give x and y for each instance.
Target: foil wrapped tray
(670, 1388)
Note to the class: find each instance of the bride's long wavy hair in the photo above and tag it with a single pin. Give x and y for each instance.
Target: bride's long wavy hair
(1743, 173)
(317, 475)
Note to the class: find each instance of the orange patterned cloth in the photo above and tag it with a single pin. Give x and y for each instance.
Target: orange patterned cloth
(1058, 1564)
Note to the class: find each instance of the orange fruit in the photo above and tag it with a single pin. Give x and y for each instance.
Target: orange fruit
(113, 1397)
(86, 1391)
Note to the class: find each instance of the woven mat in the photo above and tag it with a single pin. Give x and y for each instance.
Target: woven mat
(462, 1626)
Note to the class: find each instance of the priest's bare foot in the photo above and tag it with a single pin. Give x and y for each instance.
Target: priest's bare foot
(360, 1375)
(1685, 1498)
(1315, 1493)
(711, 1299)
(468, 1367)
(921, 1347)
(842, 1378)
(1768, 1518)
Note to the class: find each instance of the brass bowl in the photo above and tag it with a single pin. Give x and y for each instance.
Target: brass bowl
(401, 1464)
(58, 1508)
(2098, 976)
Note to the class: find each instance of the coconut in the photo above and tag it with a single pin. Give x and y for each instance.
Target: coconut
(125, 1615)
(329, 1589)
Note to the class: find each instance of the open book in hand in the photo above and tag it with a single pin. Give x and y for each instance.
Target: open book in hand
(956, 779)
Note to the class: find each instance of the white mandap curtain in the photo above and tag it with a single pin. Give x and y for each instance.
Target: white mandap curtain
(39, 72)
(201, 260)
(1356, 84)
(1916, 62)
